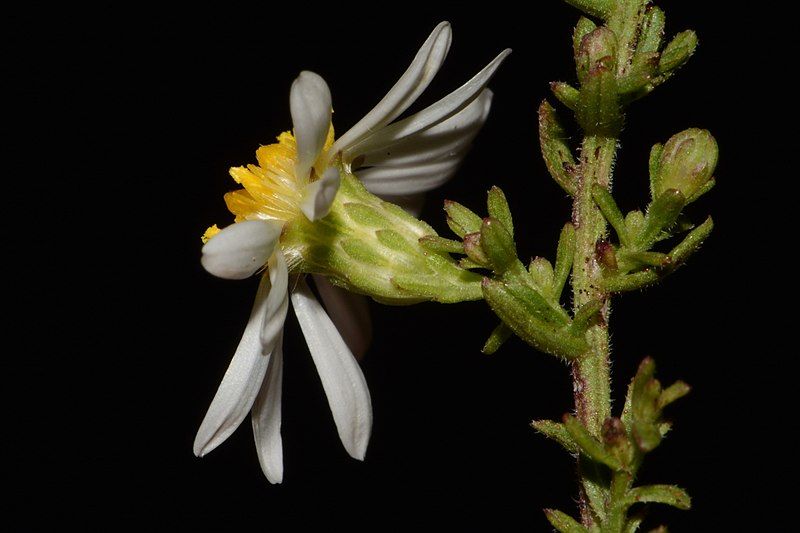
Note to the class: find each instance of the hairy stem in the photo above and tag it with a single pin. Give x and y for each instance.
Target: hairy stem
(591, 371)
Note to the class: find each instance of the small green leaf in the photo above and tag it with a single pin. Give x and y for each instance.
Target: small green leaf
(555, 150)
(666, 494)
(691, 243)
(498, 245)
(557, 432)
(655, 168)
(474, 249)
(583, 28)
(566, 94)
(633, 523)
(651, 34)
(366, 215)
(434, 243)
(586, 315)
(498, 208)
(598, 111)
(596, 8)
(466, 263)
(499, 335)
(541, 273)
(544, 308)
(563, 522)
(521, 314)
(590, 446)
(611, 212)
(674, 392)
(678, 52)
(661, 216)
(564, 256)
(615, 438)
(460, 219)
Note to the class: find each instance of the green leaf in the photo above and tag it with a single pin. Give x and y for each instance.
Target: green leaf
(589, 445)
(586, 315)
(666, 494)
(583, 28)
(565, 254)
(674, 392)
(466, 263)
(652, 32)
(691, 243)
(522, 316)
(541, 274)
(555, 150)
(596, 8)
(557, 432)
(678, 52)
(661, 216)
(498, 244)
(615, 438)
(655, 168)
(566, 94)
(563, 522)
(633, 523)
(612, 213)
(598, 111)
(474, 249)
(498, 208)
(434, 243)
(461, 220)
(543, 308)
(499, 335)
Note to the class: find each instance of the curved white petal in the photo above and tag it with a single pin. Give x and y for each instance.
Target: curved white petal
(411, 203)
(411, 84)
(310, 105)
(239, 250)
(349, 313)
(277, 302)
(243, 379)
(342, 379)
(266, 417)
(446, 139)
(432, 115)
(408, 180)
(319, 195)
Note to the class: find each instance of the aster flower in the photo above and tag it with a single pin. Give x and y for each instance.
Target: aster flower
(296, 182)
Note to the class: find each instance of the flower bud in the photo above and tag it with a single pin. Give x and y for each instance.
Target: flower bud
(686, 164)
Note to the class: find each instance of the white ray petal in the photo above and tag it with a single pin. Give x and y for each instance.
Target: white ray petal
(277, 302)
(319, 195)
(342, 379)
(242, 380)
(266, 417)
(239, 250)
(443, 140)
(409, 180)
(310, 105)
(349, 313)
(412, 203)
(411, 84)
(430, 116)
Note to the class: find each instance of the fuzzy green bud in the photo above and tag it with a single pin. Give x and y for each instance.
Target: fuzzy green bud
(686, 163)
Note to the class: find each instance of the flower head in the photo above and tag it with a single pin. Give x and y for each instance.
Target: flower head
(295, 185)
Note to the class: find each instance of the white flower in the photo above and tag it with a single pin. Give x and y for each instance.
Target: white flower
(397, 161)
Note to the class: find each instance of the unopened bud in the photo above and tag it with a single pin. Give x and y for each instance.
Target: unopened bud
(686, 163)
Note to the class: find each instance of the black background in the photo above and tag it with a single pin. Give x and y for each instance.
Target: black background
(124, 123)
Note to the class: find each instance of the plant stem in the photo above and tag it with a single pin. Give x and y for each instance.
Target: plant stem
(591, 372)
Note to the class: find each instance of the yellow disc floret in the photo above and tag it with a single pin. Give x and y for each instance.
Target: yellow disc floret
(271, 190)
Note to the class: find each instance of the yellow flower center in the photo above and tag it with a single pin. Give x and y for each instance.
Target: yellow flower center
(271, 190)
